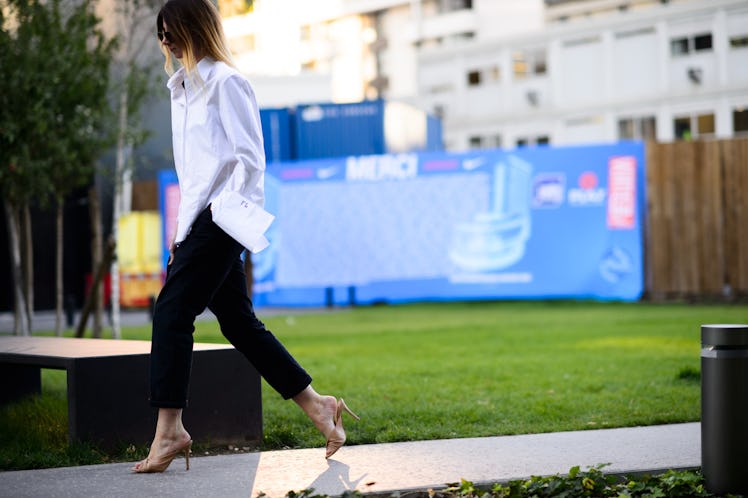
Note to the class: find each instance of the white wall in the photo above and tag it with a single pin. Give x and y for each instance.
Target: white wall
(599, 71)
(737, 58)
(285, 91)
(582, 80)
(635, 64)
(399, 61)
(503, 18)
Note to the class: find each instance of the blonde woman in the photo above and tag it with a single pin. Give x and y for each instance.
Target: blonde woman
(218, 149)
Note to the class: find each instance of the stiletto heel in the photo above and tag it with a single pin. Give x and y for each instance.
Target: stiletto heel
(345, 407)
(334, 440)
(162, 463)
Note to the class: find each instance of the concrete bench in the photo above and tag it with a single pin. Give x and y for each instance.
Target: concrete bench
(108, 386)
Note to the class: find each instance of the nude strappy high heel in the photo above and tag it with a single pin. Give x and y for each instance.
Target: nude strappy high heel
(161, 463)
(335, 441)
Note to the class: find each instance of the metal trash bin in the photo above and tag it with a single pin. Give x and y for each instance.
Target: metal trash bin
(724, 408)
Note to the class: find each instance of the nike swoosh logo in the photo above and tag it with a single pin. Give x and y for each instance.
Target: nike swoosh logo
(325, 173)
(471, 164)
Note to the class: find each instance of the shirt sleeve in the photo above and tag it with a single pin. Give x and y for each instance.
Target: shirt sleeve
(240, 118)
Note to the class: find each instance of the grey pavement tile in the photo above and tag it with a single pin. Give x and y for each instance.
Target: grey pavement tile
(377, 468)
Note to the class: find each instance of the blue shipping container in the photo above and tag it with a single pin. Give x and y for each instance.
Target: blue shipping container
(334, 130)
(277, 135)
(435, 140)
(362, 128)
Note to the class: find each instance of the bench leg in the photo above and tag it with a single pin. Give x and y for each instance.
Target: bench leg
(108, 401)
(19, 381)
(225, 405)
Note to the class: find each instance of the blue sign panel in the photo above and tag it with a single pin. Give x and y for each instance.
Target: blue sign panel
(529, 223)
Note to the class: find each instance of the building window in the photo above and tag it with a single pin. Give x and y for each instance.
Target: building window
(519, 65)
(689, 127)
(475, 142)
(477, 77)
(452, 5)
(740, 120)
(538, 140)
(648, 129)
(687, 44)
(473, 78)
(682, 128)
(529, 63)
(540, 64)
(705, 124)
(702, 42)
(637, 128)
(739, 41)
(679, 46)
(625, 129)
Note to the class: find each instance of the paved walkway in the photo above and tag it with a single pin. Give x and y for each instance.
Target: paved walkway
(377, 468)
(45, 320)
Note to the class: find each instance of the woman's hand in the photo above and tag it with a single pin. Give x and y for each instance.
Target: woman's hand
(172, 247)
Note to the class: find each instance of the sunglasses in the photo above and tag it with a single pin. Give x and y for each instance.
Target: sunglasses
(165, 35)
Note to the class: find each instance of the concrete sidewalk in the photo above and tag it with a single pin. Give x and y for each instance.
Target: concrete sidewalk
(45, 320)
(377, 468)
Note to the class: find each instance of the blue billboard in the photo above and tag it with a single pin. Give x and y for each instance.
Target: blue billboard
(532, 223)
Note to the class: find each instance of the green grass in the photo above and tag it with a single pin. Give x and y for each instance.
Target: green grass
(444, 370)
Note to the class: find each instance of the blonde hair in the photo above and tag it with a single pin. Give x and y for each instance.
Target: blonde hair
(197, 29)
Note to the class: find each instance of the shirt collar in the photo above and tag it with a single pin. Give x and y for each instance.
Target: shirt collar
(204, 67)
(176, 79)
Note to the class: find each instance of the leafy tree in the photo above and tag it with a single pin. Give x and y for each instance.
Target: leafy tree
(55, 109)
(134, 23)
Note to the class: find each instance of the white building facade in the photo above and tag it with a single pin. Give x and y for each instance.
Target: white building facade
(671, 71)
(511, 72)
(350, 50)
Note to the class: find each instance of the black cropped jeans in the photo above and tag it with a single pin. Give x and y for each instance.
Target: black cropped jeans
(207, 271)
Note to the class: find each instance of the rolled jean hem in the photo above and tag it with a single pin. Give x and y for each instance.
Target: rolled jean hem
(168, 404)
(306, 384)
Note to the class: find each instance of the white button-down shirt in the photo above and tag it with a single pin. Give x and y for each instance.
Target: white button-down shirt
(217, 138)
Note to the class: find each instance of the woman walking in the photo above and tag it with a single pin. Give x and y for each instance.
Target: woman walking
(218, 151)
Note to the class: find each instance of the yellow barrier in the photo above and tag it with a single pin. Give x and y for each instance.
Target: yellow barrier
(139, 257)
(137, 290)
(139, 242)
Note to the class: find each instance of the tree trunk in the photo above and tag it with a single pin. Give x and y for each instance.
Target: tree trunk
(28, 263)
(21, 326)
(118, 210)
(59, 291)
(98, 275)
(96, 258)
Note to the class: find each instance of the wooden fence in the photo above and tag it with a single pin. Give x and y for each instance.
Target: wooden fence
(696, 229)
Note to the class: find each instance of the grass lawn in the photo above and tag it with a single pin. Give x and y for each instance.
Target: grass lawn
(444, 370)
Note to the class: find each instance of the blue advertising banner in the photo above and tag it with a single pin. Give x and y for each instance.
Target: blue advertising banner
(531, 223)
